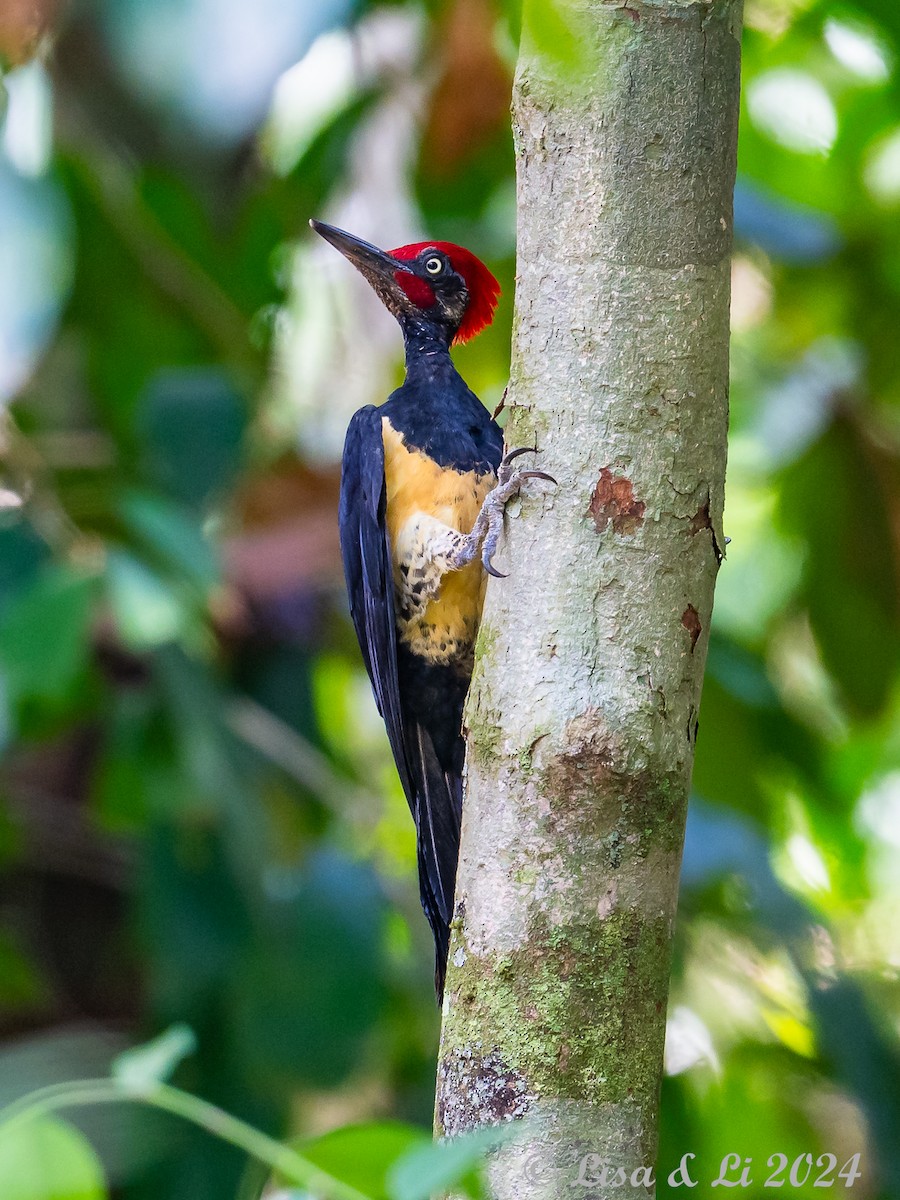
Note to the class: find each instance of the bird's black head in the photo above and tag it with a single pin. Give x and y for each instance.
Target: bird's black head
(436, 281)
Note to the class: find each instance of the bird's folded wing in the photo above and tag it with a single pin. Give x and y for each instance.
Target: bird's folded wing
(366, 551)
(434, 794)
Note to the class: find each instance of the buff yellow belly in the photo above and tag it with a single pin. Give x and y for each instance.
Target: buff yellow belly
(423, 501)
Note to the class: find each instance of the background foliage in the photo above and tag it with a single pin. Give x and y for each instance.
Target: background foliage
(199, 822)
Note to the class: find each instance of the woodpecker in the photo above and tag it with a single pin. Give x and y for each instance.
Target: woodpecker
(424, 485)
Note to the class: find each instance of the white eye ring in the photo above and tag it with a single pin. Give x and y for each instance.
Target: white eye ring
(434, 266)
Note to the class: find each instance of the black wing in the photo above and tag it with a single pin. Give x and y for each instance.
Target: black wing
(366, 551)
(422, 716)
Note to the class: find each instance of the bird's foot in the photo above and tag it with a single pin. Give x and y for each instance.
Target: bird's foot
(487, 529)
(509, 484)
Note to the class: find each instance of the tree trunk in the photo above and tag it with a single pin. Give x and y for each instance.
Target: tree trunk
(582, 716)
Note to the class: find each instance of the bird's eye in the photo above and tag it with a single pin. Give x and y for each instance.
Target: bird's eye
(434, 265)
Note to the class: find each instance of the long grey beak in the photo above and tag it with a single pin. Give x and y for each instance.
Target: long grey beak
(364, 256)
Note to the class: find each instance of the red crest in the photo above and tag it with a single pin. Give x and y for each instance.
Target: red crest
(483, 288)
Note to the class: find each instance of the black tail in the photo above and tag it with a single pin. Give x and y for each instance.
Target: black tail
(432, 726)
(440, 930)
(438, 814)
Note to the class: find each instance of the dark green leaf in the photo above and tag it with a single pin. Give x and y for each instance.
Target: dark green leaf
(190, 425)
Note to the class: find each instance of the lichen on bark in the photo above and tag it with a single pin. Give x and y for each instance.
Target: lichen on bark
(582, 713)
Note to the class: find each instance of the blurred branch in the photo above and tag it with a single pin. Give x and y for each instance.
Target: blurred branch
(308, 766)
(288, 750)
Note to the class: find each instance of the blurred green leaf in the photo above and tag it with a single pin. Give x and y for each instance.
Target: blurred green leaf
(450, 1163)
(22, 553)
(884, 12)
(137, 779)
(155, 1061)
(45, 1159)
(555, 31)
(45, 635)
(190, 425)
(21, 985)
(744, 1113)
(364, 1155)
(833, 497)
(307, 995)
(148, 613)
(170, 536)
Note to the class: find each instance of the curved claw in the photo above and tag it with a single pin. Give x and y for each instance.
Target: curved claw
(491, 569)
(537, 475)
(508, 458)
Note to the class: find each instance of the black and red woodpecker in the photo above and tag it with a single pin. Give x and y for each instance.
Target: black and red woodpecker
(423, 489)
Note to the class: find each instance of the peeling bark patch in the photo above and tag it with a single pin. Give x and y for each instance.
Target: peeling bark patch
(476, 1089)
(613, 503)
(692, 727)
(690, 619)
(701, 519)
(607, 901)
(595, 792)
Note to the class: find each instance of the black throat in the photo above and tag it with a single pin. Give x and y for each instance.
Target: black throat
(427, 346)
(435, 410)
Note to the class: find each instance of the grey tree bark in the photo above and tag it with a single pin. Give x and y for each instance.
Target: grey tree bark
(582, 716)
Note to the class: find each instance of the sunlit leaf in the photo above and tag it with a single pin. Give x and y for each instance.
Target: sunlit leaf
(553, 30)
(45, 1159)
(148, 612)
